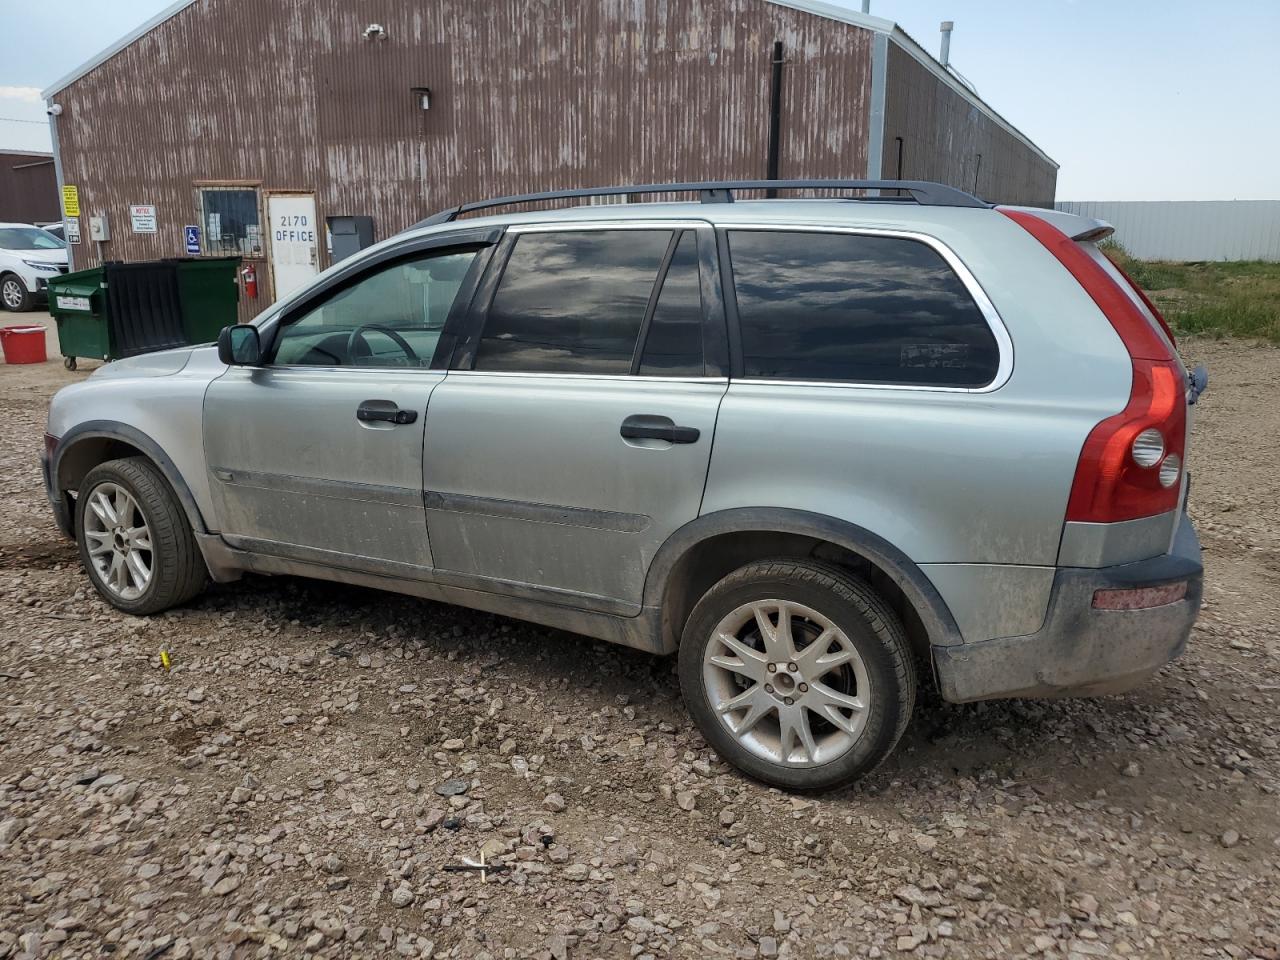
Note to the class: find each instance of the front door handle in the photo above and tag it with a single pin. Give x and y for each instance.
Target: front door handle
(385, 411)
(647, 427)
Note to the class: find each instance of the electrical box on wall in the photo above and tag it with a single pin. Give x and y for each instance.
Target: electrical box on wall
(349, 235)
(99, 228)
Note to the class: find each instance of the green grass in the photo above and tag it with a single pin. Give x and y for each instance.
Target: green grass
(1213, 299)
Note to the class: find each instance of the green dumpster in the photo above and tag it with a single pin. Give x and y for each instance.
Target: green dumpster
(209, 293)
(125, 309)
(77, 303)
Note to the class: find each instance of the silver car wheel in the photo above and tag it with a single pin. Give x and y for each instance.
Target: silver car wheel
(13, 293)
(118, 541)
(787, 683)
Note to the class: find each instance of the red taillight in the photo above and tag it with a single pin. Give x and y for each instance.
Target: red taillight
(1111, 483)
(1142, 295)
(1137, 333)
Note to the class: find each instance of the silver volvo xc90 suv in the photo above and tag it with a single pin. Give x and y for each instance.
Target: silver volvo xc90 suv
(818, 448)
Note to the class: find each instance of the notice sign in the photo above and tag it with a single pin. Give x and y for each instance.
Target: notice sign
(73, 229)
(143, 217)
(191, 235)
(72, 303)
(70, 201)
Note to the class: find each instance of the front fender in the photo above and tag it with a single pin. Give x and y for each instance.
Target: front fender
(63, 459)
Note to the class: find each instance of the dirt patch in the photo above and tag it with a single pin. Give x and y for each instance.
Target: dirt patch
(38, 556)
(275, 792)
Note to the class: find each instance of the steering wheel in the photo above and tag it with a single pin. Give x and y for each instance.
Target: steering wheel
(357, 336)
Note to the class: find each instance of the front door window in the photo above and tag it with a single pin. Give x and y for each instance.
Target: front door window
(390, 318)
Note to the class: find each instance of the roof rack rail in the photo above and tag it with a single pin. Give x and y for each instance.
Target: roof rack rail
(923, 192)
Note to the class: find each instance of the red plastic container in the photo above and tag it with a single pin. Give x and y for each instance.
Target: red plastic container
(23, 344)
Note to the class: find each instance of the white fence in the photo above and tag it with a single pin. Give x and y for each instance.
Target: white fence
(1190, 229)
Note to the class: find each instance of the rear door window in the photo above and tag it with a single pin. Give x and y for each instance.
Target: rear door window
(673, 345)
(572, 302)
(858, 309)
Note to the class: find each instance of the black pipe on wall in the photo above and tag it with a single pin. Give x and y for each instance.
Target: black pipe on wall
(775, 117)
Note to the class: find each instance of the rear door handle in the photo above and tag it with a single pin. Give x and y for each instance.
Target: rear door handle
(646, 427)
(385, 411)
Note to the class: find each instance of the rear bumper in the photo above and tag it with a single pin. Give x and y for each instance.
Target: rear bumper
(1081, 651)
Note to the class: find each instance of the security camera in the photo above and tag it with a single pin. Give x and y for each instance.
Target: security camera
(55, 110)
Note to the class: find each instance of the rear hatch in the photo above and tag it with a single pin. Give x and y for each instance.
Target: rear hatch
(1133, 463)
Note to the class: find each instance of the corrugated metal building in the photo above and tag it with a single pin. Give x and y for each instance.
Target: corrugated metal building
(256, 121)
(28, 187)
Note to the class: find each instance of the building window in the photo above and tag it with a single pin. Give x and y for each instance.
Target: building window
(231, 220)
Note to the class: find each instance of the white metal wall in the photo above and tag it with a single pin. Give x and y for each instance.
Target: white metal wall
(1190, 229)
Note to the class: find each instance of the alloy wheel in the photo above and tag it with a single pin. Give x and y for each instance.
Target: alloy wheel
(787, 683)
(12, 293)
(118, 541)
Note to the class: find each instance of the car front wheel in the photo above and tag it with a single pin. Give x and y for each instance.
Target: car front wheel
(797, 673)
(135, 540)
(14, 294)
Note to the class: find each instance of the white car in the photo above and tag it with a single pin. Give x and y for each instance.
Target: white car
(29, 259)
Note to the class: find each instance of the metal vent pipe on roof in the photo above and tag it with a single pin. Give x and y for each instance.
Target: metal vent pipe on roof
(945, 55)
(866, 6)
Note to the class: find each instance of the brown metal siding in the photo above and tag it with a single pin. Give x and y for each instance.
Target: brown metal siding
(943, 135)
(526, 95)
(28, 188)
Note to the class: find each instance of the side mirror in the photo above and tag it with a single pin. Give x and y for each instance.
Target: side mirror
(240, 346)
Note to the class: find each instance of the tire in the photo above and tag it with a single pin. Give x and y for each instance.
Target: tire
(176, 568)
(14, 295)
(866, 657)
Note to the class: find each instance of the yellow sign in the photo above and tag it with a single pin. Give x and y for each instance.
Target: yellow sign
(70, 201)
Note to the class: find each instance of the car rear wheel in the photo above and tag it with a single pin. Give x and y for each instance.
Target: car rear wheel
(797, 673)
(14, 295)
(135, 540)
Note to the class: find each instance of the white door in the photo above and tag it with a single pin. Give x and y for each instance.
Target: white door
(294, 257)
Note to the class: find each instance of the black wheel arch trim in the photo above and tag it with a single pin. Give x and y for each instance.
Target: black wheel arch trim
(918, 588)
(113, 430)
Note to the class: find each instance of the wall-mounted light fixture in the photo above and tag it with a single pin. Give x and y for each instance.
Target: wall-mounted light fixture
(375, 31)
(423, 94)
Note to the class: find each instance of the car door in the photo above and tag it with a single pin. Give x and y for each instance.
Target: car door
(573, 432)
(317, 453)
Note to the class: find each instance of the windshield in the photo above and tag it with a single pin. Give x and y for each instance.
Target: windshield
(28, 238)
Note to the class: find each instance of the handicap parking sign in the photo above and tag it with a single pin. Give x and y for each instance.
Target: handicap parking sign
(193, 239)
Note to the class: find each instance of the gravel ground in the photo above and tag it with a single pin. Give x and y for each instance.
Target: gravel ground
(317, 757)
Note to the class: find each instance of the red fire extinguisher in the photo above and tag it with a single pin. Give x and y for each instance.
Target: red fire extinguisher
(249, 277)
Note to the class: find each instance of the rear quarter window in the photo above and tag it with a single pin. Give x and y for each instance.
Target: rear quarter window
(856, 309)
